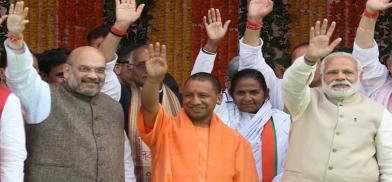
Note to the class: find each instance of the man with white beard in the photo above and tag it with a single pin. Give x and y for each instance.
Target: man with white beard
(337, 134)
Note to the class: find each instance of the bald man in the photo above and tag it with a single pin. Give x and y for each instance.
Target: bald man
(74, 132)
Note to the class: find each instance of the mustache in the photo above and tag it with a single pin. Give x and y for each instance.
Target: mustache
(90, 80)
(340, 82)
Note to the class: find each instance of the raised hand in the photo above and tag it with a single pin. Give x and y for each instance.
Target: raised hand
(127, 13)
(156, 66)
(258, 9)
(17, 18)
(378, 5)
(319, 41)
(214, 27)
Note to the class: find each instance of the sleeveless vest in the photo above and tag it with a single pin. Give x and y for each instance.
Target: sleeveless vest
(334, 141)
(82, 140)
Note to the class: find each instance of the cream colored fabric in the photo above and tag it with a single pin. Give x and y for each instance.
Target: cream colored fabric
(330, 140)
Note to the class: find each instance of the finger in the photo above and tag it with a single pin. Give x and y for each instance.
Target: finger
(139, 9)
(389, 5)
(163, 52)
(11, 10)
(25, 22)
(25, 12)
(205, 21)
(151, 50)
(311, 34)
(213, 15)
(317, 28)
(218, 15)
(117, 3)
(324, 27)
(331, 29)
(209, 17)
(19, 7)
(335, 43)
(226, 26)
(157, 49)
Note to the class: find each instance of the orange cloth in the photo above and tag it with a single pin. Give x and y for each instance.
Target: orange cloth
(176, 153)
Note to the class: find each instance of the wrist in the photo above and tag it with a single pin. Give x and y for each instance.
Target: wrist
(255, 19)
(310, 61)
(211, 46)
(154, 80)
(369, 13)
(121, 26)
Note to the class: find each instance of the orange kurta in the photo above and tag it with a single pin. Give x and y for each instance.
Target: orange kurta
(177, 156)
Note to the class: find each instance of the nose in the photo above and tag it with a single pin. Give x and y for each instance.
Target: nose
(92, 75)
(341, 76)
(195, 101)
(247, 97)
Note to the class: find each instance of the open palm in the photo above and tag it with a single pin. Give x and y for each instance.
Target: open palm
(127, 12)
(17, 18)
(378, 5)
(156, 65)
(260, 8)
(319, 45)
(214, 27)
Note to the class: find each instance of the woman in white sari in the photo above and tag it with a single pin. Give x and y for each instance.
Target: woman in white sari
(250, 114)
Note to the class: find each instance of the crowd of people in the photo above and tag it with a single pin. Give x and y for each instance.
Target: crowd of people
(106, 113)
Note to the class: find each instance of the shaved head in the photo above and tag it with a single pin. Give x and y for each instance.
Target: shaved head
(85, 71)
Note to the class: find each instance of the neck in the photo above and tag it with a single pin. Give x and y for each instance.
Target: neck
(204, 123)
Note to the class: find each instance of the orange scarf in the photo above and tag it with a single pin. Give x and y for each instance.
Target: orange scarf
(269, 151)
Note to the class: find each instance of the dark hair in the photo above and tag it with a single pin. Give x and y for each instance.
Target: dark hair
(304, 44)
(171, 82)
(3, 59)
(52, 58)
(248, 73)
(97, 32)
(206, 77)
(344, 49)
(125, 52)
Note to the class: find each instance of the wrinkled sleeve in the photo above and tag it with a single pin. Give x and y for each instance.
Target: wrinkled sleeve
(252, 58)
(384, 147)
(24, 81)
(295, 86)
(204, 63)
(12, 141)
(374, 74)
(245, 165)
(112, 85)
(163, 121)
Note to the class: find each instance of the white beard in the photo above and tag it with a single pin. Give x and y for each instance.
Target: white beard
(342, 93)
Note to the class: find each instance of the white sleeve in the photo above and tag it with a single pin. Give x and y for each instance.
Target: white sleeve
(384, 147)
(112, 86)
(204, 63)
(375, 74)
(24, 81)
(252, 58)
(12, 141)
(295, 85)
(128, 161)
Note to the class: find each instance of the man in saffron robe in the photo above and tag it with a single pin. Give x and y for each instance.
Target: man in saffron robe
(195, 145)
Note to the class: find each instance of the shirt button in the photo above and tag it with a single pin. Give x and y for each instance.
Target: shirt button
(101, 148)
(334, 150)
(330, 167)
(341, 116)
(337, 133)
(98, 134)
(100, 164)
